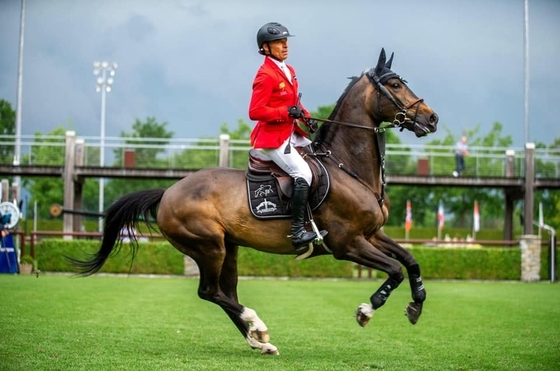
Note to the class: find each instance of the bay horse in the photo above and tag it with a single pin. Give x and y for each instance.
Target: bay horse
(206, 216)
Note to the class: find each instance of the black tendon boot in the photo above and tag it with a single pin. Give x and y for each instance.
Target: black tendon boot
(300, 237)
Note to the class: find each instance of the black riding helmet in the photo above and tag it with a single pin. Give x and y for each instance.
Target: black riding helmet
(269, 32)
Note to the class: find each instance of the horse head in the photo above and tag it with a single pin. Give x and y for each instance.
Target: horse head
(396, 103)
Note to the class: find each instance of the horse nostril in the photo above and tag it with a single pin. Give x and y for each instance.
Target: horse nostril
(434, 118)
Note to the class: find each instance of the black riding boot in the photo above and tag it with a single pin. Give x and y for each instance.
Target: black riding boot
(300, 237)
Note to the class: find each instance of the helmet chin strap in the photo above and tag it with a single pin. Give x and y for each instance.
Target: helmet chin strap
(269, 54)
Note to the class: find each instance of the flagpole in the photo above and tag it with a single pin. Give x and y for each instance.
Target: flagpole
(541, 218)
(474, 223)
(476, 219)
(408, 220)
(441, 219)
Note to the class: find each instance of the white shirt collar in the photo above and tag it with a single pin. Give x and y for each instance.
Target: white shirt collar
(282, 65)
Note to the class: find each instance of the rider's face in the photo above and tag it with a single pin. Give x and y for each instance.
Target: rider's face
(278, 49)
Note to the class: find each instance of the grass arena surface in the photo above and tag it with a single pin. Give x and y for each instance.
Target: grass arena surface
(58, 322)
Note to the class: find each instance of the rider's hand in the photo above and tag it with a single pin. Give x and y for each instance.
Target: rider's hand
(313, 125)
(295, 112)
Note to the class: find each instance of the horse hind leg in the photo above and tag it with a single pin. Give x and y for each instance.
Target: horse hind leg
(252, 328)
(247, 321)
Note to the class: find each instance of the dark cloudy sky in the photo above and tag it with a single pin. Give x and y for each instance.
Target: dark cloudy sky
(191, 63)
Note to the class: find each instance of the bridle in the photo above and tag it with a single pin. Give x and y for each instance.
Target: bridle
(398, 122)
(400, 117)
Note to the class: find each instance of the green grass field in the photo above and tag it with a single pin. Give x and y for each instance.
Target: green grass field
(99, 323)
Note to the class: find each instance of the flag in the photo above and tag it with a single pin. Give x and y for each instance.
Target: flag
(408, 220)
(440, 215)
(476, 218)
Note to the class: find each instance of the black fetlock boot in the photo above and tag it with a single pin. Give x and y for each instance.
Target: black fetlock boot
(300, 236)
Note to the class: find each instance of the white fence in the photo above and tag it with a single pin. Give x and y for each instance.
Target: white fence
(195, 153)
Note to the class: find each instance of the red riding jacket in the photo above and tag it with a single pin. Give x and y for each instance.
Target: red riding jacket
(272, 95)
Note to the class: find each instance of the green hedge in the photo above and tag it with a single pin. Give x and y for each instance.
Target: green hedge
(460, 263)
(255, 263)
(162, 258)
(152, 258)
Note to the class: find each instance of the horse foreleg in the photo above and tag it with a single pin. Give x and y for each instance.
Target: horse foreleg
(389, 247)
(414, 309)
(377, 300)
(368, 255)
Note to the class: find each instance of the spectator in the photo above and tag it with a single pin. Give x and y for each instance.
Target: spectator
(461, 151)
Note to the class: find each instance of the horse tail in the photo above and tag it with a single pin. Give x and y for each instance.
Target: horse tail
(124, 214)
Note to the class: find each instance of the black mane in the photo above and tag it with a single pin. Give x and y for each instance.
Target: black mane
(353, 81)
(324, 129)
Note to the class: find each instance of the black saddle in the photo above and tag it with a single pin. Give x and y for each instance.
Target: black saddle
(270, 188)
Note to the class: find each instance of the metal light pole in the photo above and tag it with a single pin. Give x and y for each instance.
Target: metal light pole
(17, 152)
(104, 83)
(526, 67)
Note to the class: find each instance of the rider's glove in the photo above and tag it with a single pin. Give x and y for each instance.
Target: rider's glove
(313, 125)
(295, 112)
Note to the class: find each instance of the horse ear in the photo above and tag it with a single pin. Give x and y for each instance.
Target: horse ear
(381, 61)
(390, 61)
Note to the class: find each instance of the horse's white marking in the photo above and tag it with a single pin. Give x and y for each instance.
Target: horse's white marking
(366, 309)
(254, 322)
(258, 333)
(364, 313)
(266, 348)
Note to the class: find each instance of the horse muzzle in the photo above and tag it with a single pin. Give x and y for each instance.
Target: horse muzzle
(423, 126)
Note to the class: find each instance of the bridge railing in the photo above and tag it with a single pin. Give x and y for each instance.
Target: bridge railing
(196, 153)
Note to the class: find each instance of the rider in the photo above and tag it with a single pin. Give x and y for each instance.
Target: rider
(275, 105)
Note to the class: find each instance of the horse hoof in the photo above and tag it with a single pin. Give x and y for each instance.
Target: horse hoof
(413, 312)
(364, 314)
(269, 350)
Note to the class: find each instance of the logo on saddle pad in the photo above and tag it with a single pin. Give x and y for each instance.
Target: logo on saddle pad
(266, 206)
(264, 190)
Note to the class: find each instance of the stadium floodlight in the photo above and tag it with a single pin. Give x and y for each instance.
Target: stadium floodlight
(104, 85)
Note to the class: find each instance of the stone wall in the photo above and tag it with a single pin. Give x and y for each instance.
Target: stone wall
(530, 258)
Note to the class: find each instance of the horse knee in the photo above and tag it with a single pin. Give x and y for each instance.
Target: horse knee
(396, 274)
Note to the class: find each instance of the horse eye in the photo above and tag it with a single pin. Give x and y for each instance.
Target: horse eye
(395, 85)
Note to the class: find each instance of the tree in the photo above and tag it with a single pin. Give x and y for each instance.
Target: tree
(199, 157)
(147, 157)
(7, 127)
(47, 191)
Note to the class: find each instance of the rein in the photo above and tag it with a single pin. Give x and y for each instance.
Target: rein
(375, 129)
(398, 121)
